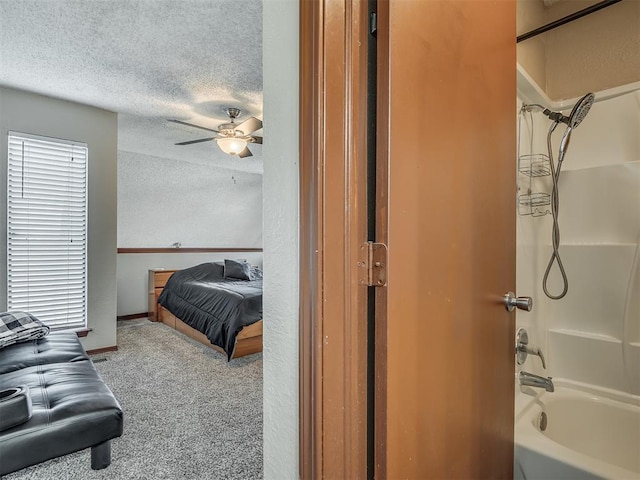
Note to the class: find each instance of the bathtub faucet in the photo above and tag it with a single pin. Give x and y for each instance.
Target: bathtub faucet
(531, 380)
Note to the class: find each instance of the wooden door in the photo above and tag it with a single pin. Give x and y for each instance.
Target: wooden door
(445, 206)
(446, 210)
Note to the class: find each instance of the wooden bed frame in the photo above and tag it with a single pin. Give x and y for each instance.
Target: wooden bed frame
(248, 341)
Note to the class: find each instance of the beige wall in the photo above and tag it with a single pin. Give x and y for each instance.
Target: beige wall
(27, 112)
(593, 53)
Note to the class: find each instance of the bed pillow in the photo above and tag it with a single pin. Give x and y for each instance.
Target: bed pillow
(256, 273)
(19, 326)
(238, 270)
(218, 269)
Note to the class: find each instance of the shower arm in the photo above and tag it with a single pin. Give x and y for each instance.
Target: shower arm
(528, 107)
(555, 116)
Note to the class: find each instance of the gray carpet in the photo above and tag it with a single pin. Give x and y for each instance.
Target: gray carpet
(188, 413)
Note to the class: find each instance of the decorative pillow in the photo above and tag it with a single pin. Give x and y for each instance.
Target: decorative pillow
(19, 326)
(256, 273)
(235, 269)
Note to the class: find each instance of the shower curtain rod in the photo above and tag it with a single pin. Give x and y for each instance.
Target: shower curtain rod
(569, 18)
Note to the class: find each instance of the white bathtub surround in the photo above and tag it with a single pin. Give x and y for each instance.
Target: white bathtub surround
(600, 204)
(593, 334)
(591, 337)
(594, 307)
(631, 348)
(591, 433)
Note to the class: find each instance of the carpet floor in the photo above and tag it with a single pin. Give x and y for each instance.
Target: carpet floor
(188, 414)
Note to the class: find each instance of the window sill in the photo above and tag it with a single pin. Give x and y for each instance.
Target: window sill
(83, 332)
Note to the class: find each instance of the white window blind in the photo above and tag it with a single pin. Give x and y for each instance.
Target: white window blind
(47, 229)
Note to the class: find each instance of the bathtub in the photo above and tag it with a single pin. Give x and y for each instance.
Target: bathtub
(590, 434)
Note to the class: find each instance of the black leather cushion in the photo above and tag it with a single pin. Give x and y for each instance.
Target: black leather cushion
(72, 408)
(55, 348)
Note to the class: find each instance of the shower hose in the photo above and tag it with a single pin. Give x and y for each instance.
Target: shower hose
(555, 233)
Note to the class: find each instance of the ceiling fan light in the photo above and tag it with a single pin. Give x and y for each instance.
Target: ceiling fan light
(231, 145)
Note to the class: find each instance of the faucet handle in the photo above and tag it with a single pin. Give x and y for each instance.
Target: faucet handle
(533, 350)
(523, 348)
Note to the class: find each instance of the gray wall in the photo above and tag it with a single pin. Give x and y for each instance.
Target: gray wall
(35, 114)
(280, 153)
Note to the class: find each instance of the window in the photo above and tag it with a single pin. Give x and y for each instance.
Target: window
(47, 229)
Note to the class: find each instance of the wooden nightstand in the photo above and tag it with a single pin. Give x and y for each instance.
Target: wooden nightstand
(157, 280)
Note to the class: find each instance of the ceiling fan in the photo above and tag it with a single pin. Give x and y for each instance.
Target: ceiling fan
(232, 138)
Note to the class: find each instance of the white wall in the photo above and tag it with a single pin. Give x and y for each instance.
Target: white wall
(280, 153)
(162, 201)
(593, 334)
(35, 114)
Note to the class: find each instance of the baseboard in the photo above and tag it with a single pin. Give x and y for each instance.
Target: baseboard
(133, 316)
(95, 351)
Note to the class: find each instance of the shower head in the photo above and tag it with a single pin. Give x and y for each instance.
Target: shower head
(578, 112)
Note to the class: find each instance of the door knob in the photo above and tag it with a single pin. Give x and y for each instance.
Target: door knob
(523, 303)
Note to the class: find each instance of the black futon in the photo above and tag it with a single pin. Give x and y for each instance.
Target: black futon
(72, 408)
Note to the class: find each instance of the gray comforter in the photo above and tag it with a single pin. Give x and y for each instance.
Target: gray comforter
(219, 307)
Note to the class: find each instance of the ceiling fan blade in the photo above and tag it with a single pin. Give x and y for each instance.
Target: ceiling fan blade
(245, 153)
(192, 125)
(251, 124)
(256, 139)
(197, 141)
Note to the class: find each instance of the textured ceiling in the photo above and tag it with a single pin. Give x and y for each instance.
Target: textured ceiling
(148, 60)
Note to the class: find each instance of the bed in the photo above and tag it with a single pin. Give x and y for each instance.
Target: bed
(218, 304)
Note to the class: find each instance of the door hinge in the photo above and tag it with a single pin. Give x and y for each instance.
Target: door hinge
(373, 24)
(372, 265)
